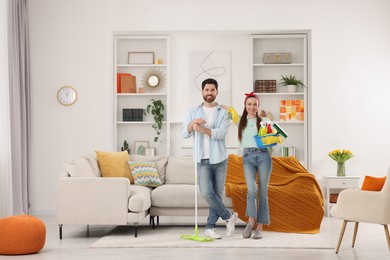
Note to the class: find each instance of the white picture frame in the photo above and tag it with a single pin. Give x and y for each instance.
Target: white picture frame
(141, 58)
(140, 147)
(211, 64)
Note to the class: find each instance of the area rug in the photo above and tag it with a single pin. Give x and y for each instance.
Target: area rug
(169, 237)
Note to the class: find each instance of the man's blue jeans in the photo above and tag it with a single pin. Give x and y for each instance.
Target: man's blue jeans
(257, 160)
(212, 179)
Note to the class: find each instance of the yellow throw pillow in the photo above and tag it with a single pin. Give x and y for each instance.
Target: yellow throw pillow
(373, 183)
(114, 164)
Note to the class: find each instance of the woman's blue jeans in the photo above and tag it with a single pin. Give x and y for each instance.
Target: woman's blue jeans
(212, 179)
(257, 160)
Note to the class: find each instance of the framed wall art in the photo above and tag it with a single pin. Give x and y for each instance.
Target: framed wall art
(140, 147)
(141, 57)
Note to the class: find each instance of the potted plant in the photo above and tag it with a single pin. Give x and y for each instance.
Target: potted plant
(291, 82)
(156, 108)
(125, 147)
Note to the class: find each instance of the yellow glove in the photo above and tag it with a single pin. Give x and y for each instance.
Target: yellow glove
(271, 140)
(234, 114)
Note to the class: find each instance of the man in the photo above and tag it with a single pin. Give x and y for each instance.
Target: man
(210, 123)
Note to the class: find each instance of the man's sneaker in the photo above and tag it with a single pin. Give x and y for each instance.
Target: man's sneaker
(210, 232)
(257, 234)
(231, 224)
(247, 231)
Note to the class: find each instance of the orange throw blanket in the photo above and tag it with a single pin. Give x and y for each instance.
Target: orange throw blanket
(294, 195)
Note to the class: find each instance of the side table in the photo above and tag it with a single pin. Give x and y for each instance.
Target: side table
(334, 185)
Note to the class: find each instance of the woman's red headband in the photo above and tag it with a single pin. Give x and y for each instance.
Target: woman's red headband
(252, 94)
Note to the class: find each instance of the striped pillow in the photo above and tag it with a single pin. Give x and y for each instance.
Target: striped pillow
(145, 174)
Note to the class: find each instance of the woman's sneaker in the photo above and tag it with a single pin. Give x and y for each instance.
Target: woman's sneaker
(247, 231)
(210, 232)
(257, 234)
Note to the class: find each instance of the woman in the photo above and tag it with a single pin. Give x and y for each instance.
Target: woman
(254, 160)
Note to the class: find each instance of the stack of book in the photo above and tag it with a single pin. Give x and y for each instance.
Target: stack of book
(265, 86)
(133, 114)
(287, 151)
(125, 83)
(292, 110)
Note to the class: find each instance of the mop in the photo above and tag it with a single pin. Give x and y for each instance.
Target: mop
(189, 236)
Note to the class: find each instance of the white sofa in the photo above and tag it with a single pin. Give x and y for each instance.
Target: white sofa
(86, 198)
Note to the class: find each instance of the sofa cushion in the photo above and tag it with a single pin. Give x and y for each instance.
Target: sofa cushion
(181, 196)
(161, 163)
(180, 171)
(92, 160)
(145, 174)
(78, 168)
(139, 199)
(114, 164)
(177, 195)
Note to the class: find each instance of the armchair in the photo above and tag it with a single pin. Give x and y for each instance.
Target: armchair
(363, 206)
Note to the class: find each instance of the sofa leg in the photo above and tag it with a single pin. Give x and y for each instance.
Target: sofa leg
(135, 229)
(87, 230)
(158, 220)
(60, 230)
(153, 226)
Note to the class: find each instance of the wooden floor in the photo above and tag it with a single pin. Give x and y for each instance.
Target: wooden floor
(370, 244)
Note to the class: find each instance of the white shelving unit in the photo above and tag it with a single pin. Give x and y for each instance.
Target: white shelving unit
(133, 131)
(296, 44)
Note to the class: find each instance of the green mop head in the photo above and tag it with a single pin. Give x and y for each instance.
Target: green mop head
(196, 237)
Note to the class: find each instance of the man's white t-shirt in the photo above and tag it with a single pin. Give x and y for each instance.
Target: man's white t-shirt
(210, 116)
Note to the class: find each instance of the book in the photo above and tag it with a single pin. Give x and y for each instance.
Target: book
(127, 84)
(118, 81)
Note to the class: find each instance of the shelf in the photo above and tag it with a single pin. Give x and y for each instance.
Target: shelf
(141, 65)
(280, 94)
(141, 94)
(289, 122)
(279, 65)
(136, 122)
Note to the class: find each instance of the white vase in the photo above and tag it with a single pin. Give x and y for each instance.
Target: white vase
(291, 88)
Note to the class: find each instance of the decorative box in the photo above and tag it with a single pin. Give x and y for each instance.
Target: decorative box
(277, 58)
(265, 86)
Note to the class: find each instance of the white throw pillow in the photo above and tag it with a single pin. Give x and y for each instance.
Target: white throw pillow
(78, 168)
(180, 170)
(92, 160)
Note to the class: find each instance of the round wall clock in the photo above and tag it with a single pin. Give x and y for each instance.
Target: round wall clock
(67, 95)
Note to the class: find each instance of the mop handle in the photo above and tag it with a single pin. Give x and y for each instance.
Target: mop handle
(196, 181)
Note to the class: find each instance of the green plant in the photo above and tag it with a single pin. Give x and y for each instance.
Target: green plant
(290, 80)
(156, 108)
(125, 147)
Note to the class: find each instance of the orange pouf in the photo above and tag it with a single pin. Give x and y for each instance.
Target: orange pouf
(22, 234)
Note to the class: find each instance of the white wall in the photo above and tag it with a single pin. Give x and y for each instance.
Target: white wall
(71, 45)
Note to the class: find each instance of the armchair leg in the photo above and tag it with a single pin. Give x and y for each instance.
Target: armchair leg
(60, 230)
(387, 235)
(355, 233)
(341, 235)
